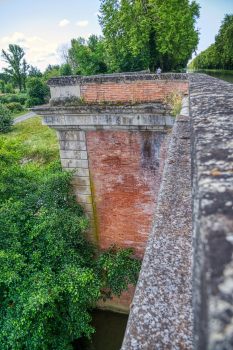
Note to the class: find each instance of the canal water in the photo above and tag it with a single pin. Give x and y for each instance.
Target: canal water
(110, 329)
(220, 75)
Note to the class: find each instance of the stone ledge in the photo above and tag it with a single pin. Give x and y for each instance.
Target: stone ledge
(211, 107)
(116, 78)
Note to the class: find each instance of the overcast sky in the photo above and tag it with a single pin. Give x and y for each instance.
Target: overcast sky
(40, 26)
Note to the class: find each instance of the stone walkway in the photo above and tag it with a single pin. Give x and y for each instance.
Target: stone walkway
(24, 117)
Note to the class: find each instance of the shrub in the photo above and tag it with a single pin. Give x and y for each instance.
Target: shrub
(17, 98)
(9, 88)
(33, 101)
(14, 107)
(49, 281)
(2, 86)
(66, 69)
(5, 119)
(4, 99)
(37, 89)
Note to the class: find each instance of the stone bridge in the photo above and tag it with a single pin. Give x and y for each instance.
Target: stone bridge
(137, 174)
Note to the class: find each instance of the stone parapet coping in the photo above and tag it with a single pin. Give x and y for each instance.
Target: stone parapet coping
(211, 110)
(152, 108)
(115, 78)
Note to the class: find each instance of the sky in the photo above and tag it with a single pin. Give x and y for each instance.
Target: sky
(41, 26)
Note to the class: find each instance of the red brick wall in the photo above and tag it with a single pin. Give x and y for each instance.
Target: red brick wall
(126, 170)
(131, 91)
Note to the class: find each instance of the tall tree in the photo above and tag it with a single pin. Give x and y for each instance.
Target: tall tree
(220, 54)
(25, 68)
(88, 57)
(14, 59)
(158, 32)
(34, 72)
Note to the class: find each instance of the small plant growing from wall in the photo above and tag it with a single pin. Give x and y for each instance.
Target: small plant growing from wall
(174, 100)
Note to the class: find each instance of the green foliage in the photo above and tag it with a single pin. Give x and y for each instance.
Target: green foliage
(38, 92)
(2, 86)
(20, 98)
(149, 33)
(118, 270)
(220, 54)
(66, 69)
(14, 107)
(48, 279)
(33, 101)
(17, 68)
(9, 88)
(88, 58)
(5, 119)
(34, 72)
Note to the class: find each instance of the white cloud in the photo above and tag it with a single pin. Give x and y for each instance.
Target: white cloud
(97, 14)
(63, 23)
(82, 24)
(19, 38)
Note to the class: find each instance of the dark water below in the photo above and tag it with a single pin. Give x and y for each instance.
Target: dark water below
(110, 329)
(220, 75)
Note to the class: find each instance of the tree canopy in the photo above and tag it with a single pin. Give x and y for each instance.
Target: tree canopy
(156, 32)
(17, 65)
(220, 54)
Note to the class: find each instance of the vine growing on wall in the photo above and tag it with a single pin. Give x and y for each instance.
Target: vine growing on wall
(49, 280)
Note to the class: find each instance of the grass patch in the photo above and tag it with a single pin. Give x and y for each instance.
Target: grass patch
(174, 100)
(39, 143)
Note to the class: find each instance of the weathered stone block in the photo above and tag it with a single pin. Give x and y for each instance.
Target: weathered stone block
(83, 198)
(80, 181)
(73, 163)
(89, 215)
(71, 135)
(72, 145)
(81, 189)
(73, 154)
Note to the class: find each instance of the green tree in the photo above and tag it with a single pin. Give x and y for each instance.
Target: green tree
(2, 86)
(17, 68)
(5, 120)
(34, 72)
(88, 58)
(66, 69)
(156, 32)
(38, 92)
(49, 280)
(220, 54)
(25, 68)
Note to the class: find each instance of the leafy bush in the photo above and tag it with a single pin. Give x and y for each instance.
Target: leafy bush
(9, 88)
(4, 99)
(66, 69)
(2, 86)
(37, 89)
(14, 98)
(14, 107)
(48, 279)
(33, 101)
(5, 119)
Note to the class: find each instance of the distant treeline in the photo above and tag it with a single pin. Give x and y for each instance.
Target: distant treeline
(220, 54)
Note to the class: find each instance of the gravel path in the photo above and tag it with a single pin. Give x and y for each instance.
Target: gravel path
(24, 117)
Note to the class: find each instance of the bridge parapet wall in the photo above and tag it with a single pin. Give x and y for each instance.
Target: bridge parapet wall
(118, 87)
